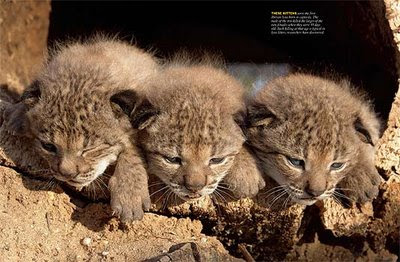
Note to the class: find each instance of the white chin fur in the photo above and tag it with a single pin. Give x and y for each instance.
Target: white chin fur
(305, 201)
(184, 194)
(79, 186)
(103, 164)
(189, 199)
(98, 171)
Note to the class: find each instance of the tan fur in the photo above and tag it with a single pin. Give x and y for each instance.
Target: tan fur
(68, 111)
(319, 122)
(186, 123)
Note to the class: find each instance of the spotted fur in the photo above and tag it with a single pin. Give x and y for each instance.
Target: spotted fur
(302, 128)
(188, 131)
(68, 115)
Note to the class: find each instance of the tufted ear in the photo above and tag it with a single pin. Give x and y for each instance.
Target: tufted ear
(140, 111)
(15, 119)
(143, 114)
(240, 119)
(362, 131)
(259, 115)
(123, 102)
(32, 94)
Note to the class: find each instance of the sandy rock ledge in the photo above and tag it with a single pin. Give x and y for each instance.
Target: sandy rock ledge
(40, 225)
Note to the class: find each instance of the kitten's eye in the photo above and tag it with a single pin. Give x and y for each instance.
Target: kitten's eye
(337, 166)
(173, 160)
(49, 147)
(298, 163)
(217, 160)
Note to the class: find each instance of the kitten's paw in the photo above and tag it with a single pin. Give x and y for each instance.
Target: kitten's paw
(367, 192)
(247, 188)
(129, 207)
(361, 187)
(129, 204)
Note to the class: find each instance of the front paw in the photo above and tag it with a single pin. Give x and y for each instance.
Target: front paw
(251, 188)
(362, 186)
(246, 185)
(129, 204)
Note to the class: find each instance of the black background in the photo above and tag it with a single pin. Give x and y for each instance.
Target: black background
(240, 31)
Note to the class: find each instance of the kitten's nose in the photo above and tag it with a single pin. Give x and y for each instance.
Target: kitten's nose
(195, 181)
(68, 173)
(68, 168)
(314, 192)
(194, 188)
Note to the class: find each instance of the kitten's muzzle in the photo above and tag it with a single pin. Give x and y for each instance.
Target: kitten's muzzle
(194, 183)
(194, 188)
(313, 192)
(193, 196)
(68, 174)
(71, 166)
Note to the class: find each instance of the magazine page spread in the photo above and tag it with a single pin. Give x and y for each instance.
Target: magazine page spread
(199, 130)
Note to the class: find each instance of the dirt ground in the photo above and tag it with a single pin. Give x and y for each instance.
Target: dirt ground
(40, 222)
(41, 225)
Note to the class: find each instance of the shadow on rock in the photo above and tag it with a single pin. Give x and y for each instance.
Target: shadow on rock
(94, 216)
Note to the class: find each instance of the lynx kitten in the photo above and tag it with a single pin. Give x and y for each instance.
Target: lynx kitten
(188, 132)
(316, 138)
(72, 123)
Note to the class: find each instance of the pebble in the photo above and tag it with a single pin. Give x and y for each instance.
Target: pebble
(105, 253)
(86, 241)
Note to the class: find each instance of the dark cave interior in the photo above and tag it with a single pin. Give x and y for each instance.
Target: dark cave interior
(351, 47)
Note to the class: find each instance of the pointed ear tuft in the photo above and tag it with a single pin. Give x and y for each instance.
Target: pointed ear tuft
(123, 102)
(143, 114)
(259, 115)
(240, 119)
(32, 94)
(140, 111)
(14, 116)
(362, 132)
(15, 119)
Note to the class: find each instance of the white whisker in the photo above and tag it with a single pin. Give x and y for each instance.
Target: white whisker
(162, 196)
(157, 184)
(163, 188)
(221, 196)
(344, 189)
(341, 195)
(165, 203)
(276, 198)
(276, 191)
(222, 190)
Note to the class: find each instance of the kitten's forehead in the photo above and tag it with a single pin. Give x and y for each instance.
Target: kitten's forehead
(67, 125)
(71, 142)
(72, 137)
(314, 130)
(185, 130)
(316, 158)
(196, 153)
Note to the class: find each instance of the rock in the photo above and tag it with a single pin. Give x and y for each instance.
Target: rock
(36, 226)
(24, 27)
(388, 155)
(192, 252)
(345, 221)
(86, 241)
